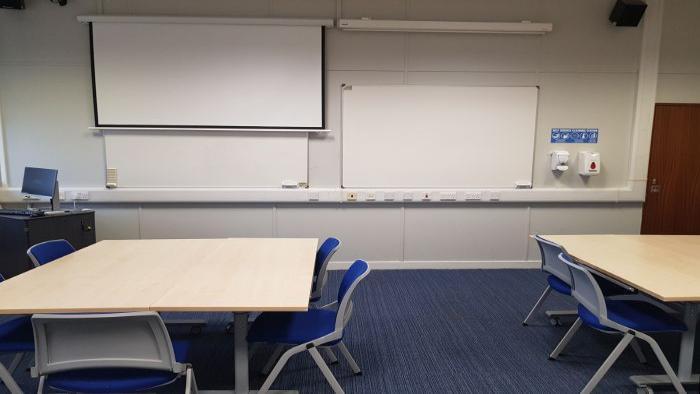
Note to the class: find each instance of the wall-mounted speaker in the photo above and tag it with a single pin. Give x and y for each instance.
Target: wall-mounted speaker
(12, 4)
(627, 12)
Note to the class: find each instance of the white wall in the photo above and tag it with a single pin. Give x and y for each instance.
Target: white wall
(586, 68)
(679, 65)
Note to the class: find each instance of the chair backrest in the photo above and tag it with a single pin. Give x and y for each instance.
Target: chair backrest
(357, 271)
(323, 256)
(585, 288)
(49, 251)
(550, 259)
(114, 340)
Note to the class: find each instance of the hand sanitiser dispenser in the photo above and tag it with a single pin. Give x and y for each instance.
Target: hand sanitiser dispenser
(588, 163)
(559, 161)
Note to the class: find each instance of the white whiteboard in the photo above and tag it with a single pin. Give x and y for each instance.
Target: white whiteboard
(207, 75)
(406, 136)
(206, 159)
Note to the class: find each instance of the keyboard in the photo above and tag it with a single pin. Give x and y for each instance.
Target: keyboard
(21, 212)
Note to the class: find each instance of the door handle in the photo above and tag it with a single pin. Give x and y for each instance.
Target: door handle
(654, 187)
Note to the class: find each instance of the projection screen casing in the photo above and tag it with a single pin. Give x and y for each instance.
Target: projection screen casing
(207, 75)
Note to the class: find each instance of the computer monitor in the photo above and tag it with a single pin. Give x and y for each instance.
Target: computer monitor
(42, 182)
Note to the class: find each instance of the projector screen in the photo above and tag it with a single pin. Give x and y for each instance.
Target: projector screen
(195, 75)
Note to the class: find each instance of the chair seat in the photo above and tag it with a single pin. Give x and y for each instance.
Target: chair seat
(292, 327)
(17, 335)
(116, 380)
(637, 315)
(558, 285)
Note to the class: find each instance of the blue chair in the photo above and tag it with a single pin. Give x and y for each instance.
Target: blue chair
(108, 353)
(631, 318)
(46, 252)
(559, 280)
(306, 331)
(16, 338)
(323, 256)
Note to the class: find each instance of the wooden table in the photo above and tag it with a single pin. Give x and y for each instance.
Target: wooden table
(238, 275)
(666, 267)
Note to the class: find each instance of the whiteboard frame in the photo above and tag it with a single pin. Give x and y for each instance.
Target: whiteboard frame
(517, 184)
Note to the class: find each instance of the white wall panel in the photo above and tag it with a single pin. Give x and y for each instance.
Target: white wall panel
(205, 221)
(302, 8)
(582, 219)
(472, 52)
(680, 40)
(116, 221)
(597, 100)
(473, 10)
(367, 232)
(46, 112)
(45, 33)
(370, 51)
(584, 40)
(384, 9)
(240, 8)
(476, 233)
(678, 88)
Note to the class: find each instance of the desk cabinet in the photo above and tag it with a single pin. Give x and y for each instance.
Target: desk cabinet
(18, 233)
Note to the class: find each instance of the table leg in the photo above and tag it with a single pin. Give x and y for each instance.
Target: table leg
(685, 360)
(240, 351)
(240, 359)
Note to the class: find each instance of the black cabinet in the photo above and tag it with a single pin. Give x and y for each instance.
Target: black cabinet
(18, 233)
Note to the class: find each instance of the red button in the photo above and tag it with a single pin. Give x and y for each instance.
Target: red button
(592, 165)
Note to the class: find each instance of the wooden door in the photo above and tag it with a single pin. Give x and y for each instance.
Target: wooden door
(672, 203)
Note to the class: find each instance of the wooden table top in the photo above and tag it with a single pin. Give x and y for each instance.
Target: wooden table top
(666, 267)
(235, 275)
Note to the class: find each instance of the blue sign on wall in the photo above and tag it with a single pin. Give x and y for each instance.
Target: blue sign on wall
(574, 136)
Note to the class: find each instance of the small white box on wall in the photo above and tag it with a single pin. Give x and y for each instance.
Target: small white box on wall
(588, 163)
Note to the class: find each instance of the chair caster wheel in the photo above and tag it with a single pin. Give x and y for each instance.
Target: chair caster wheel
(336, 362)
(524, 324)
(550, 358)
(229, 328)
(555, 321)
(358, 373)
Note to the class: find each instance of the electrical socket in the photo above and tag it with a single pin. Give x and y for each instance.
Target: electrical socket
(81, 196)
(408, 196)
(314, 196)
(425, 196)
(389, 196)
(448, 196)
(472, 195)
(351, 196)
(371, 196)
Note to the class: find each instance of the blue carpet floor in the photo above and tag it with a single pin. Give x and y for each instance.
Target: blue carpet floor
(431, 331)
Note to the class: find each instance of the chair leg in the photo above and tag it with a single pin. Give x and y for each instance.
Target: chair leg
(278, 367)
(326, 371)
(538, 304)
(565, 341)
(348, 357)
(330, 355)
(40, 388)
(626, 339)
(191, 382)
(638, 351)
(664, 361)
(272, 360)
(9, 381)
(15, 362)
